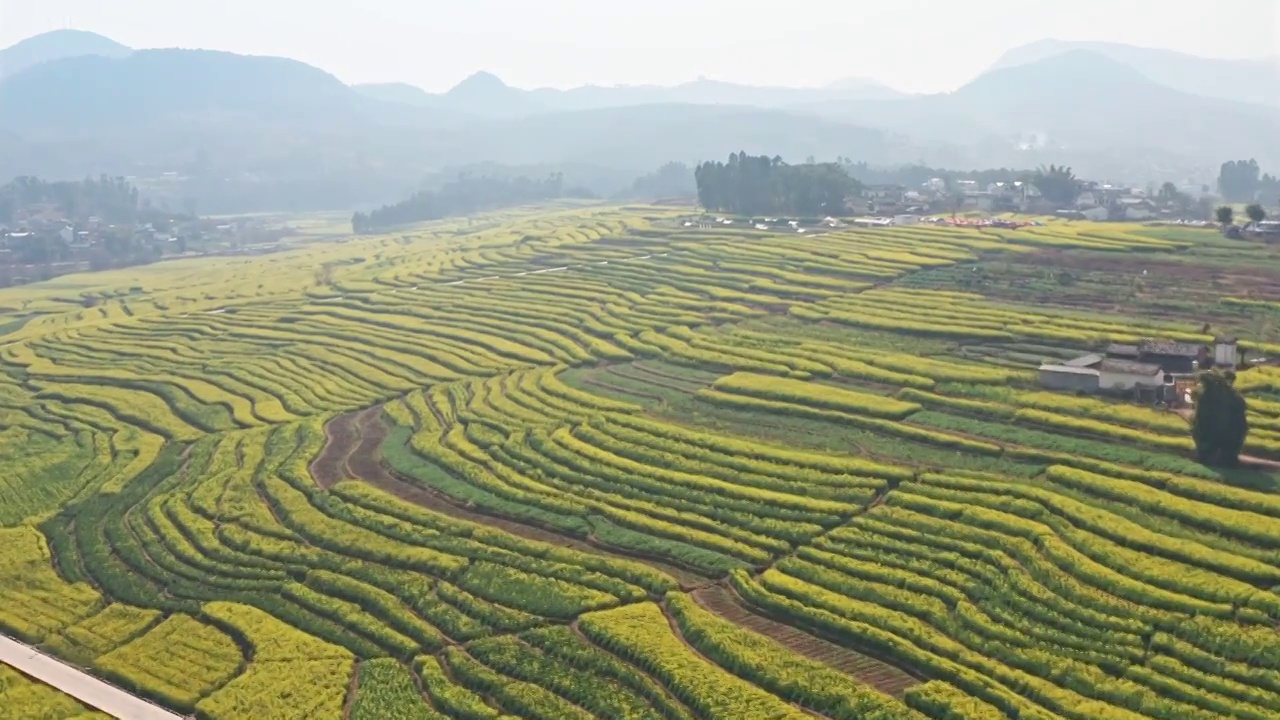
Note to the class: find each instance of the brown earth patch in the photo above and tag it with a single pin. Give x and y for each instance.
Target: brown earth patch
(878, 674)
(365, 459)
(341, 437)
(357, 445)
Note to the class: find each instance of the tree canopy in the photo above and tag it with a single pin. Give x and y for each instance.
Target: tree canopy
(673, 180)
(1170, 196)
(1239, 180)
(1225, 214)
(1220, 425)
(760, 185)
(1255, 213)
(1057, 184)
(114, 200)
(464, 195)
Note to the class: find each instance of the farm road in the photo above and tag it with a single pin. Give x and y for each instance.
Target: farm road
(78, 684)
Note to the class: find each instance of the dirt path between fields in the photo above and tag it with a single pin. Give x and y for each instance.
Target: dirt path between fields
(679, 633)
(877, 674)
(354, 451)
(340, 439)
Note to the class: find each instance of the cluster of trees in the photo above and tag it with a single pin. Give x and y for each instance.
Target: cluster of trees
(1221, 422)
(1226, 215)
(761, 185)
(464, 195)
(1242, 181)
(673, 180)
(1058, 185)
(114, 200)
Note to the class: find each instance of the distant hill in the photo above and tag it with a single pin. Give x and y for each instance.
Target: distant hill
(1255, 81)
(1079, 107)
(240, 133)
(865, 88)
(237, 133)
(1083, 98)
(149, 84)
(398, 93)
(647, 135)
(485, 94)
(57, 45)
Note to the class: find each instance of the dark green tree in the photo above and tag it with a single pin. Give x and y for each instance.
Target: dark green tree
(1220, 425)
(1225, 215)
(1057, 184)
(672, 180)
(465, 195)
(761, 185)
(1174, 199)
(1256, 213)
(1240, 180)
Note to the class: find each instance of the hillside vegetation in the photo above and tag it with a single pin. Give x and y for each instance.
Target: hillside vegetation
(591, 463)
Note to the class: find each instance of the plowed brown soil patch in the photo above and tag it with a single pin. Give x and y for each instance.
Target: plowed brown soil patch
(877, 674)
(356, 440)
(366, 459)
(329, 468)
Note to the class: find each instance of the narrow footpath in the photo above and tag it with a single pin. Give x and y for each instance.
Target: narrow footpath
(78, 684)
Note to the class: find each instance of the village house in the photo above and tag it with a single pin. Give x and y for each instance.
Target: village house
(1154, 368)
(1094, 373)
(1174, 358)
(1266, 230)
(1067, 378)
(1126, 375)
(885, 195)
(1137, 208)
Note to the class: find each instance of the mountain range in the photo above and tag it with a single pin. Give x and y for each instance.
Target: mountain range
(57, 45)
(250, 132)
(1255, 81)
(485, 94)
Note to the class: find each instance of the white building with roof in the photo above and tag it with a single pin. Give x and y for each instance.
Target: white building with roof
(1128, 374)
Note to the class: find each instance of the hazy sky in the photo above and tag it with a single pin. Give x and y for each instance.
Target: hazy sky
(914, 45)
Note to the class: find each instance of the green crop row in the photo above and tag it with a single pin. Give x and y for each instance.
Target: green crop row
(641, 634)
(765, 663)
(815, 395)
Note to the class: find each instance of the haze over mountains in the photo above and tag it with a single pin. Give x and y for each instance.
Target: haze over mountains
(1256, 81)
(55, 46)
(271, 133)
(484, 93)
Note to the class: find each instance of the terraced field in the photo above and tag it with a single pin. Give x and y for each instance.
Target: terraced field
(38, 701)
(588, 463)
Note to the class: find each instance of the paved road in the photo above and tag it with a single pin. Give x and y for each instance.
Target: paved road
(80, 685)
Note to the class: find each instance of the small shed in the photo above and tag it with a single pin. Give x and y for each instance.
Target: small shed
(1124, 375)
(1066, 378)
(1225, 352)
